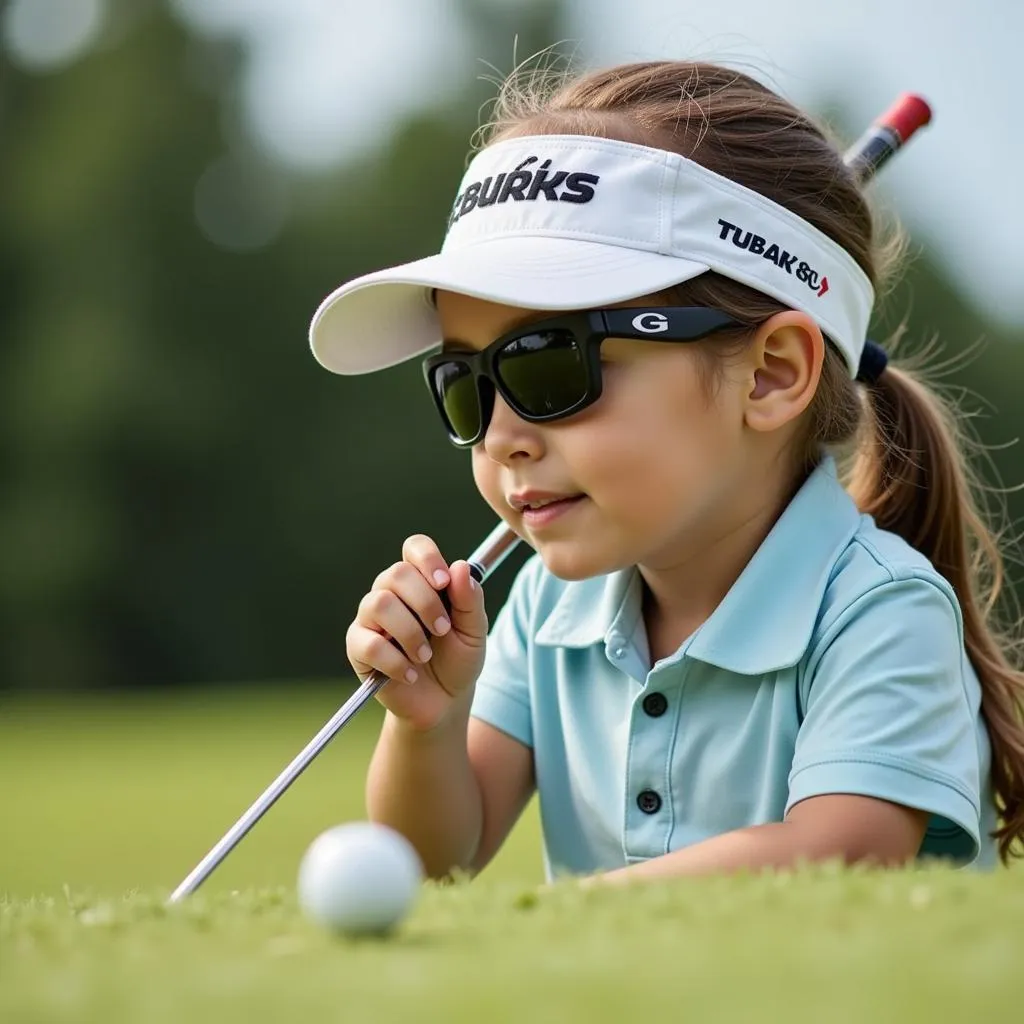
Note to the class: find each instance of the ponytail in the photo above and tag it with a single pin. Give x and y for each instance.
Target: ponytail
(909, 472)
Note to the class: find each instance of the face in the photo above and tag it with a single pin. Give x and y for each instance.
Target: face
(650, 473)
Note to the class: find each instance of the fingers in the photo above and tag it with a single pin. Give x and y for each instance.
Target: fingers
(463, 594)
(402, 605)
(422, 552)
(408, 584)
(369, 650)
(466, 598)
(403, 610)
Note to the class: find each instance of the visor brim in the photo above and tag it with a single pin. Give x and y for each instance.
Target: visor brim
(387, 317)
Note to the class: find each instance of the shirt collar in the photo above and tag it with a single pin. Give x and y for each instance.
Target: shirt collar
(765, 621)
(593, 610)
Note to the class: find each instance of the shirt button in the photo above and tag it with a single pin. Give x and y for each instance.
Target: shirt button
(618, 653)
(649, 802)
(655, 704)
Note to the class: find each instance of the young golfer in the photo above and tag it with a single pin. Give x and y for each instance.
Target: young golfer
(650, 316)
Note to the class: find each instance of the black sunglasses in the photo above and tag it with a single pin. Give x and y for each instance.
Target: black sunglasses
(551, 369)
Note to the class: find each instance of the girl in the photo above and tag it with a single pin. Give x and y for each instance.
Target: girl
(652, 303)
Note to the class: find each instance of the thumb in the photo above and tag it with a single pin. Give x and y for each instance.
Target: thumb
(466, 600)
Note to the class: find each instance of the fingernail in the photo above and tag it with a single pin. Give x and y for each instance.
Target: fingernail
(473, 583)
(411, 675)
(441, 626)
(441, 578)
(424, 653)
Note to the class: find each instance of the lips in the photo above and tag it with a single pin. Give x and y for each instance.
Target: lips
(535, 500)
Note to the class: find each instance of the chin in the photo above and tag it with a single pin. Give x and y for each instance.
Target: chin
(573, 562)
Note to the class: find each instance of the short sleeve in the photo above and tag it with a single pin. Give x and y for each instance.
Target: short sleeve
(502, 696)
(888, 713)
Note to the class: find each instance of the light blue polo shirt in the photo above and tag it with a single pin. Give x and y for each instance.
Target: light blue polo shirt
(835, 664)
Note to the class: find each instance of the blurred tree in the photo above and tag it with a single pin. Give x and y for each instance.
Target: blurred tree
(187, 496)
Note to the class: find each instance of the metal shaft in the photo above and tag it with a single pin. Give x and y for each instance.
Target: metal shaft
(487, 557)
(267, 799)
(874, 148)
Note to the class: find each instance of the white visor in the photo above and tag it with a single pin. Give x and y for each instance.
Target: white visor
(567, 222)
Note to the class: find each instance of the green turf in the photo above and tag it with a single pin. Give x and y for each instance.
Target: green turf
(114, 795)
(117, 802)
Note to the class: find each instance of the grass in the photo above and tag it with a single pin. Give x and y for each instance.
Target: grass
(108, 805)
(115, 795)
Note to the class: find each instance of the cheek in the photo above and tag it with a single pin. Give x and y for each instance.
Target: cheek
(486, 475)
(665, 411)
(664, 438)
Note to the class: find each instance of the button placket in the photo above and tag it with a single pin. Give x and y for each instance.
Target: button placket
(649, 814)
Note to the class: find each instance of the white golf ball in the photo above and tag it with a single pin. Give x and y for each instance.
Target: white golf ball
(359, 878)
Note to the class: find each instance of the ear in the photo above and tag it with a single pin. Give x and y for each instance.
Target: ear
(786, 357)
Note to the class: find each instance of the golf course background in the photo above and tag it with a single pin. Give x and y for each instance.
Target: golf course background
(187, 499)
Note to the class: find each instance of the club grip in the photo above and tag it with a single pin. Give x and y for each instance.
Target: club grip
(889, 133)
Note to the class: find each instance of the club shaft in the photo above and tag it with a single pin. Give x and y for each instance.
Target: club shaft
(269, 797)
(870, 152)
(484, 560)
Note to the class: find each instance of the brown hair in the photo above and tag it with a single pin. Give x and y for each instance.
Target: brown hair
(907, 464)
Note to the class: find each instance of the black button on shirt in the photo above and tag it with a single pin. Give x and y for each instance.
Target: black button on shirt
(655, 704)
(649, 802)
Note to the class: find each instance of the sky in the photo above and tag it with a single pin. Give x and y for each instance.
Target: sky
(323, 75)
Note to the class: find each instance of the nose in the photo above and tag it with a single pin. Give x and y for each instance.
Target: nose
(509, 438)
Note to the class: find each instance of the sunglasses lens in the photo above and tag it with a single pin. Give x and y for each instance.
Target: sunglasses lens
(454, 385)
(543, 373)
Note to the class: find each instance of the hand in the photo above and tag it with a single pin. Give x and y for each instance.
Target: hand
(402, 628)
